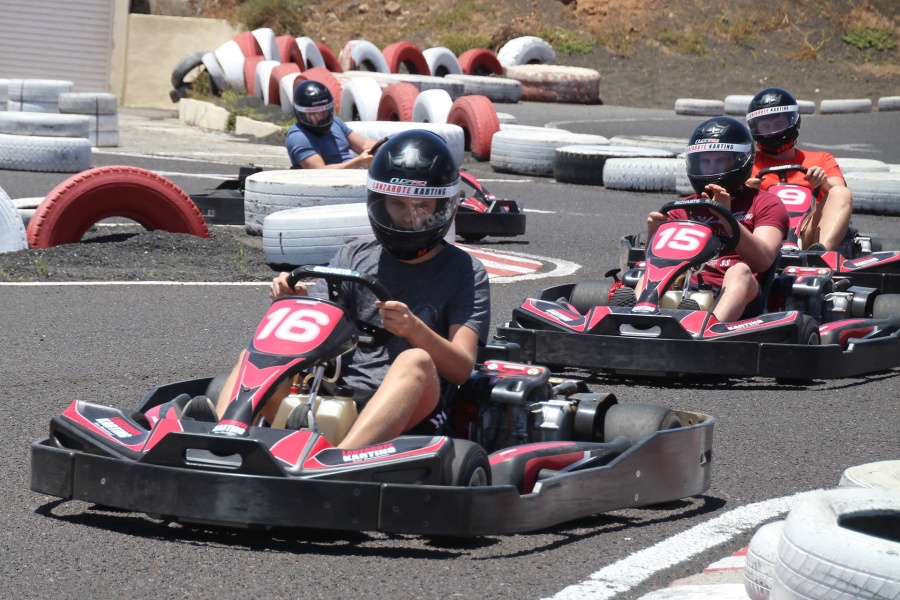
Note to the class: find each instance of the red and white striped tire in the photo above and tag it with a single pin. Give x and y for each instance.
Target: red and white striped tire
(328, 57)
(556, 83)
(248, 43)
(289, 50)
(231, 58)
(82, 200)
(278, 73)
(261, 79)
(312, 57)
(250, 64)
(286, 91)
(267, 44)
(405, 57)
(362, 55)
(478, 119)
(397, 101)
(479, 61)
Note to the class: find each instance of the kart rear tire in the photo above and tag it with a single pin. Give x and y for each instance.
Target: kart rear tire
(637, 421)
(588, 294)
(809, 332)
(886, 305)
(470, 466)
(215, 386)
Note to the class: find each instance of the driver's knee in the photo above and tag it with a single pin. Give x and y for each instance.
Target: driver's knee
(741, 281)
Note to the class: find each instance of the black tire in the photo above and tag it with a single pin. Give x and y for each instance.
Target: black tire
(470, 466)
(886, 305)
(588, 294)
(574, 167)
(624, 296)
(688, 304)
(473, 237)
(637, 421)
(809, 332)
(214, 389)
(185, 66)
(299, 417)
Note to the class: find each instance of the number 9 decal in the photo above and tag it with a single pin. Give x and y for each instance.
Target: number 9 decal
(792, 196)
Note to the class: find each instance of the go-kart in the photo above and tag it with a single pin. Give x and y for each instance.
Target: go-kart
(480, 215)
(670, 330)
(559, 452)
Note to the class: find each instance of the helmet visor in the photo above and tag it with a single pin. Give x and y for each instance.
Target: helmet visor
(315, 116)
(407, 205)
(709, 158)
(772, 121)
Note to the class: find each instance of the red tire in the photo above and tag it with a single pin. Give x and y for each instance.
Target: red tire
(331, 61)
(326, 78)
(275, 80)
(288, 50)
(480, 61)
(478, 119)
(407, 55)
(249, 46)
(250, 64)
(82, 200)
(397, 102)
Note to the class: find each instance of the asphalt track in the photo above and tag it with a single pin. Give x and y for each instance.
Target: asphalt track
(112, 343)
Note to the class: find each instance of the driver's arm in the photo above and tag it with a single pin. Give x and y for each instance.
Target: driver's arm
(279, 287)
(759, 248)
(315, 161)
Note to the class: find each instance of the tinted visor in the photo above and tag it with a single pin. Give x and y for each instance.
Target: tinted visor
(315, 116)
(709, 158)
(773, 120)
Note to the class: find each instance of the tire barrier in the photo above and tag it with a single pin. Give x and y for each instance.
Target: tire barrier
(275, 77)
(532, 151)
(375, 130)
(310, 53)
(478, 119)
(44, 124)
(101, 109)
(760, 565)
(431, 106)
(699, 106)
(875, 193)
(856, 105)
(12, 229)
(35, 95)
(289, 50)
(441, 61)
(498, 89)
(480, 61)
(268, 46)
(645, 175)
(312, 235)
(885, 103)
(405, 57)
(525, 50)
(360, 99)
(397, 101)
(4, 93)
(672, 144)
(554, 83)
(362, 55)
(44, 154)
(584, 164)
(82, 200)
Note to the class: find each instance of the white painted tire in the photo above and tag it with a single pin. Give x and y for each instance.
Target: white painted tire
(525, 50)
(699, 106)
(36, 107)
(760, 564)
(312, 56)
(12, 230)
(359, 53)
(836, 545)
(807, 107)
(441, 61)
(104, 139)
(312, 235)
(498, 89)
(642, 174)
(533, 151)
(266, 38)
(737, 104)
(584, 164)
(886, 103)
(452, 134)
(854, 105)
(882, 475)
(231, 58)
(286, 92)
(432, 106)
(424, 83)
(88, 103)
(261, 79)
(37, 90)
(359, 99)
(26, 207)
(216, 73)
(506, 119)
(271, 191)
(44, 124)
(45, 154)
(683, 185)
(557, 83)
(875, 193)
(4, 91)
(862, 165)
(676, 145)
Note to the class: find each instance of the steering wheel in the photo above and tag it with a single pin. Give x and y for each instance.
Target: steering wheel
(370, 334)
(782, 172)
(727, 242)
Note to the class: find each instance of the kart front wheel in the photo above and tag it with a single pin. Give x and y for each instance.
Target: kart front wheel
(470, 466)
(588, 294)
(809, 331)
(637, 421)
(886, 305)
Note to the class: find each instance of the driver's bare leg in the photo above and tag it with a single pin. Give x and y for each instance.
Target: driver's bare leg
(408, 394)
(739, 288)
(227, 390)
(834, 218)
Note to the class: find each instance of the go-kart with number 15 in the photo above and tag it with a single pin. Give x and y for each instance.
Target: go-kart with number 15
(558, 451)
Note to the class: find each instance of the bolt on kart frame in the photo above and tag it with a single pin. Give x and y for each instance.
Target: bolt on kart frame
(558, 451)
(670, 330)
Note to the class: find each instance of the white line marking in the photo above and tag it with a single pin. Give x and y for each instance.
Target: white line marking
(537, 210)
(198, 175)
(98, 283)
(625, 574)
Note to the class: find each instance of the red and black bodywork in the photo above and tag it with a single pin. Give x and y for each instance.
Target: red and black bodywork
(242, 472)
(860, 333)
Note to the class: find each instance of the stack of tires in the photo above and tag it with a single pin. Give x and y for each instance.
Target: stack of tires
(102, 111)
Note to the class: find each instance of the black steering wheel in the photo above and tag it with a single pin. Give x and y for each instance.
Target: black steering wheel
(370, 334)
(782, 172)
(727, 242)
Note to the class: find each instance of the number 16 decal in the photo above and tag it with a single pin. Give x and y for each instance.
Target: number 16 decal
(301, 325)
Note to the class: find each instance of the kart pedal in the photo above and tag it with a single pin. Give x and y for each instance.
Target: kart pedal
(200, 408)
(689, 304)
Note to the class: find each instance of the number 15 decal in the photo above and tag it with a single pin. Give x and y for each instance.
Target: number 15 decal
(301, 325)
(682, 239)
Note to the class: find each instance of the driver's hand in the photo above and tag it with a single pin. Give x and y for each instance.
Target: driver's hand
(654, 220)
(816, 176)
(754, 182)
(397, 318)
(717, 193)
(280, 287)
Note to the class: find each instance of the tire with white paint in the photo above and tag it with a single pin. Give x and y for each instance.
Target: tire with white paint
(44, 124)
(760, 564)
(278, 73)
(585, 164)
(312, 57)
(48, 154)
(840, 544)
(431, 106)
(286, 92)
(360, 99)
(498, 89)
(248, 43)
(642, 174)
(480, 61)
(26, 207)
(683, 185)
(88, 103)
(36, 107)
(525, 50)
(737, 104)
(478, 119)
(886, 103)
(375, 130)
(441, 61)
(12, 230)
(429, 82)
(261, 79)
(506, 119)
(73, 206)
(362, 55)
(699, 106)
(672, 144)
(266, 39)
(882, 475)
(557, 83)
(807, 107)
(231, 58)
(215, 72)
(533, 151)
(875, 193)
(37, 90)
(405, 57)
(853, 105)
(312, 235)
(862, 165)
(288, 50)
(268, 192)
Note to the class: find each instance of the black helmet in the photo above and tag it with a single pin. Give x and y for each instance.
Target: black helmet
(413, 189)
(774, 120)
(313, 107)
(720, 152)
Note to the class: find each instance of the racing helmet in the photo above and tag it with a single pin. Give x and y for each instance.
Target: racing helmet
(313, 107)
(774, 107)
(720, 151)
(413, 188)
